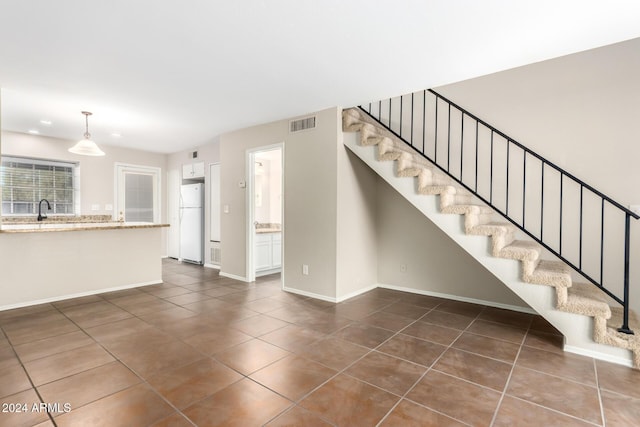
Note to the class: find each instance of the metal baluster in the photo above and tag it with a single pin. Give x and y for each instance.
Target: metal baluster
(449, 138)
(401, 103)
(491, 173)
(602, 242)
(625, 321)
(561, 185)
(542, 205)
(461, 145)
(435, 153)
(580, 243)
(412, 119)
(524, 188)
(507, 198)
(424, 117)
(476, 178)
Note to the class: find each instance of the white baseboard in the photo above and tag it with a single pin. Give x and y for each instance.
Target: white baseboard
(233, 276)
(309, 294)
(494, 304)
(215, 267)
(356, 293)
(78, 295)
(601, 356)
(268, 272)
(346, 297)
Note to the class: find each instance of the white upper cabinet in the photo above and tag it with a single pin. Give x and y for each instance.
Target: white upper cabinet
(193, 170)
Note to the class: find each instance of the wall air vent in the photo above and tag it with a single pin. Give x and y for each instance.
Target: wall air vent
(302, 124)
(215, 254)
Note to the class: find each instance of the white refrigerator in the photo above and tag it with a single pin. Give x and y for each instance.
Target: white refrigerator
(192, 223)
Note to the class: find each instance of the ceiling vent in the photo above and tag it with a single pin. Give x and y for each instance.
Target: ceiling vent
(302, 124)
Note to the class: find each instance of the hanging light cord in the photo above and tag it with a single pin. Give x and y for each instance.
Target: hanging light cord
(87, 135)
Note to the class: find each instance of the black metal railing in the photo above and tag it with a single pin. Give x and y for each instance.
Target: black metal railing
(580, 225)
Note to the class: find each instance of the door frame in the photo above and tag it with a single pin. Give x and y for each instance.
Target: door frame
(250, 203)
(120, 169)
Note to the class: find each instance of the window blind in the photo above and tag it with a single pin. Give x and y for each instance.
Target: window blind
(26, 181)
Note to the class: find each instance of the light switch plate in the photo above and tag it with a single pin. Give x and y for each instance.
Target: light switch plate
(225, 208)
(242, 184)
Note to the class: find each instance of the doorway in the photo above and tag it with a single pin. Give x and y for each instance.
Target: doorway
(265, 219)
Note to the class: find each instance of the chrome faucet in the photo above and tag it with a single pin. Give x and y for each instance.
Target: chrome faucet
(40, 216)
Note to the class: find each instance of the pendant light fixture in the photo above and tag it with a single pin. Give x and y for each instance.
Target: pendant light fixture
(86, 146)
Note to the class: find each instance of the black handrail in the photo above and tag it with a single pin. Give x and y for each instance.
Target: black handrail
(491, 200)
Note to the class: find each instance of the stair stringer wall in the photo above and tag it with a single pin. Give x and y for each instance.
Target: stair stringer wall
(577, 329)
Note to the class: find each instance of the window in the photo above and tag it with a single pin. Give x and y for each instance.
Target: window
(26, 181)
(137, 193)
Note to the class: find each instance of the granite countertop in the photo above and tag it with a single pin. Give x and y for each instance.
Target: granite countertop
(267, 230)
(43, 226)
(267, 227)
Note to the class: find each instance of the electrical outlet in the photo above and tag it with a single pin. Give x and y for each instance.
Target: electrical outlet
(108, 207)
(225, 208)
(95, 207)
(305, 270)
(403, 268)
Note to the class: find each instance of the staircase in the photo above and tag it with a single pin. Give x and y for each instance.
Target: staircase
(594, 321)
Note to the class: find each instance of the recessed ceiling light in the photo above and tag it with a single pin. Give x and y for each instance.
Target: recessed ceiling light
(33, 131)
(46, 122)
(116, 134)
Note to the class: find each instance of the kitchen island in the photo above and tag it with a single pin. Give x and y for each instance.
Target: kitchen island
(50, 261)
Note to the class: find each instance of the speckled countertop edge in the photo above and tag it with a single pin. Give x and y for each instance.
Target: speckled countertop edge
(81, 227)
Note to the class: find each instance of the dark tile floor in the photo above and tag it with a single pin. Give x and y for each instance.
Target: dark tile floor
(205, 350)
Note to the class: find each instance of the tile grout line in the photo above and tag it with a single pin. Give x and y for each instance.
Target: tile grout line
(343, 370)
(429, 368)
(116, 358)
(602, 415)
(506, 384)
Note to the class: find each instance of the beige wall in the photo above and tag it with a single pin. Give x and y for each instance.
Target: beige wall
(357, 240)
(309, 200)
(346, 224)
(581, 112)
(434, 262)
(96, 173)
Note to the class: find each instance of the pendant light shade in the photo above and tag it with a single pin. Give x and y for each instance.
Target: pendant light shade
(86, 147)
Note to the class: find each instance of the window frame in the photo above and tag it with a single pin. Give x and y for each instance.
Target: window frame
(34, 161)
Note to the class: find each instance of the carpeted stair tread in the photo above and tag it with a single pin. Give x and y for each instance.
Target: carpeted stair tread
(352, 120)
(551, 273)
(465, 209)
(407, 166)
(432, 190)
(492, 228)
(521, 250)
(586, 299)
(621, 339)
(370, 135)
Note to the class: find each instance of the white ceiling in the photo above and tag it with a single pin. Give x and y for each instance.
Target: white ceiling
(170, 75)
